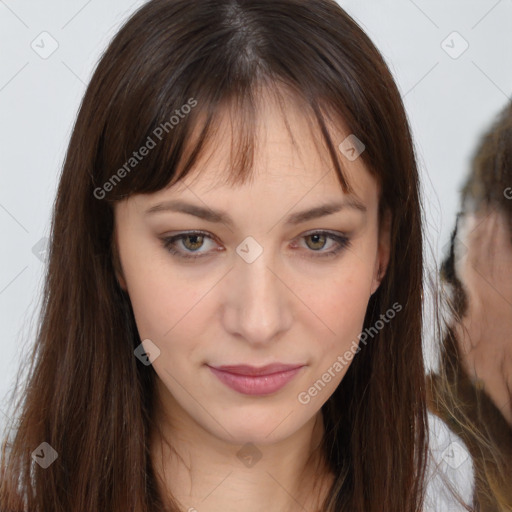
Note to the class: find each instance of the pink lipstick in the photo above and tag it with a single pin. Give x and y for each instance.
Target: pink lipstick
(251, 380)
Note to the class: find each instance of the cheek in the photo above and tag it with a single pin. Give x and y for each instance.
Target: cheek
(162, 297)
(343, 303)
(332, 336)
(164, 307)
(341, 296)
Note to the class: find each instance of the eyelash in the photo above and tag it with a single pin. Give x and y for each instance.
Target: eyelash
(342, 241)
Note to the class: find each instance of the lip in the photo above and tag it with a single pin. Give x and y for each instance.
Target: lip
(251, 380)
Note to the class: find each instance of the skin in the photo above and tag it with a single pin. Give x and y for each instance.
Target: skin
(290, 305)
(484, 332)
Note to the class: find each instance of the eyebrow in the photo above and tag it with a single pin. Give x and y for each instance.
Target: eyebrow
(221, 217)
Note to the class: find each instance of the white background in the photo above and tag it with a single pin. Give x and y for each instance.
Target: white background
(450, 102)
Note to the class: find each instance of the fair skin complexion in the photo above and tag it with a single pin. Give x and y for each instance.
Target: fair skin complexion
(292, 304)
(484, 332)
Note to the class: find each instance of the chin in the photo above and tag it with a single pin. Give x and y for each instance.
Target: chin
(259, 427)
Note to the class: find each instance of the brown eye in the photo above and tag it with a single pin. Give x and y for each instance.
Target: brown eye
(317, 241)
(196, 241)
(324, 243)
(190, 245)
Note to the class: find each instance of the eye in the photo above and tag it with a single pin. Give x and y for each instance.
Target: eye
(318, 241)
(188, 245)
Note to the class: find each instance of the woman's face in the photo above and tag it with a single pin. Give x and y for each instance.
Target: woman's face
(281, 272)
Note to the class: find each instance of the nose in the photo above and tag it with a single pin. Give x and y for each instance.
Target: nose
(257, 305)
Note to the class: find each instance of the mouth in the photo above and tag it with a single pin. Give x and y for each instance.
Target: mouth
(251, 380)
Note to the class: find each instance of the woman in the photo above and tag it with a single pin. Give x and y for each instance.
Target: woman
(233, 302)
(472, 391)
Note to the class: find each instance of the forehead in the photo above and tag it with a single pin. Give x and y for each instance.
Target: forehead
(288, 152)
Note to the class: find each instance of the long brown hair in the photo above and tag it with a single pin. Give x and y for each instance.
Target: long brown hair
(453, 395)
(87, 395)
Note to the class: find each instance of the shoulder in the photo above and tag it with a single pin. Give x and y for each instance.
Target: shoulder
(450, 471)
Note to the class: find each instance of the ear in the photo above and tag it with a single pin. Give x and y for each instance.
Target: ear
(383, 250)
